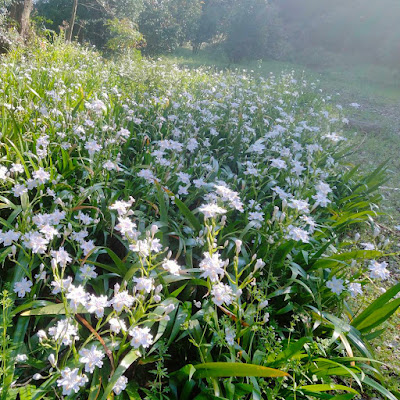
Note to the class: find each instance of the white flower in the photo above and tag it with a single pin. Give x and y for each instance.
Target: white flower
(299, 205)
(22, 287)
(97, 106)
(48, 231)
(230, 336)
(62, 285)
(71, 381)
(41, 176)
(87, 272)
(21, 358)
(336, 285)
(145, 284)
(211, 210)
(126, 227)
(140, 337)
(19, 190)
(183, 177)
(221, 294)
(65, 332)
(41, 335)
(8, 237)
(355, 289)
(36, 242)
(77, 295)
(116, 325)
(379, 270)
(230, 196)
(110, 166)
(259, 264)
(87, 246)
(278, 163)
(257, 217)
(121, 206)
(120, 385)
(321, 200)
(85, 219)
(147, 174)
(91, 358)
(145, 247)
(52, 360)
(171, 266)
(92, 147)
(61, 257)
(212, 267)
(17, 168)
(97, 305)
(323, 188)
(198, 183)
(121, 300)
(297, 234)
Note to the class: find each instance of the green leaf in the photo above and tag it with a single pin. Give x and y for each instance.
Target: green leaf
(379, 316)
(325, 387)
(45, 387)
(370, 317)
(222, 369)
(122, 268)
(379, 388)
(190, 217)
(127, 361)
(54, 309)
(329, 262)
(31, 304)
(132, 391)
(290, 352)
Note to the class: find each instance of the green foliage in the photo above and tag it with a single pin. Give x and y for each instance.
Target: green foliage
(125, 36)
(167, 24)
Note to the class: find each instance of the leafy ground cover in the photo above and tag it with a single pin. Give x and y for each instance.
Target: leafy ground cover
(373, 134)
(172, 233)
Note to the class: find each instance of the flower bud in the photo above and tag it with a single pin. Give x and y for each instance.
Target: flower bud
(52, 360)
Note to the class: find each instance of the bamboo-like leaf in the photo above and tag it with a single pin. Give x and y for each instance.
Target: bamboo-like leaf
(53, 309)
(222, 369)
(371, 313)
(379, 388)
(190, 217)
(325, 387)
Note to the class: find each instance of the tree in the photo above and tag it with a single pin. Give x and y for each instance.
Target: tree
(91, 16)
(20, 11)
(72, 21)
(167, 24)
(209, 24)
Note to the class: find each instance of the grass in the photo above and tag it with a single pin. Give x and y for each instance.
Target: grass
(373, 131)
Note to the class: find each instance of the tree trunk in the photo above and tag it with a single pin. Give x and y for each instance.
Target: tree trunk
(70, 30)
(20, 11)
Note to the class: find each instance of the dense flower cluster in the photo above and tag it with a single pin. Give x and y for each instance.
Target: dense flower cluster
(125, 209)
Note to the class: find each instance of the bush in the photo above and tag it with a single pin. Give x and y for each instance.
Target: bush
(125, 36)
(176, 234)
